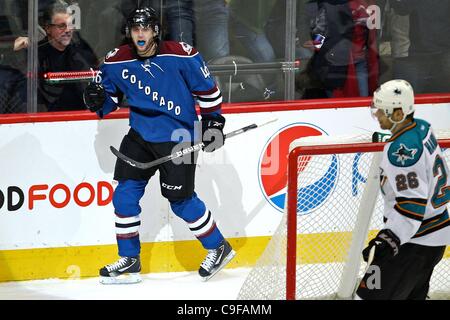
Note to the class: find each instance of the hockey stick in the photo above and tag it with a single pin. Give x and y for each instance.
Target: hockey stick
(178, 154)
(369, 263)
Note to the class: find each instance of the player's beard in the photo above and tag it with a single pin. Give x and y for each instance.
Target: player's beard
(147, 50)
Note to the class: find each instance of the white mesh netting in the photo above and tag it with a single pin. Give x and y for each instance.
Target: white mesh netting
(329, 192)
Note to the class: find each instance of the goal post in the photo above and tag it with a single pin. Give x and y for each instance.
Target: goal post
(349, 276)
(333, 207)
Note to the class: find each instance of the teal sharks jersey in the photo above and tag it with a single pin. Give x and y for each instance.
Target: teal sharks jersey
(415, 186)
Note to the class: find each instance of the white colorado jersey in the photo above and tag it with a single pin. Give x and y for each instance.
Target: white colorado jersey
(414, 180)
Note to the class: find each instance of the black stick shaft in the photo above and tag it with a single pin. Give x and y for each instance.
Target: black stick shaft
(177, 154)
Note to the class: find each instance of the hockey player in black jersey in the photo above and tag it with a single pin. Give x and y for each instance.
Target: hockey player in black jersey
(414, 182)
(162, 81)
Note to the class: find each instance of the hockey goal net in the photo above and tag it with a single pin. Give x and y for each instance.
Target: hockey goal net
(333, 208)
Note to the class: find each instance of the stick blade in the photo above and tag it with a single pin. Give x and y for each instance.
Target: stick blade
(123, 157)
(115, 151)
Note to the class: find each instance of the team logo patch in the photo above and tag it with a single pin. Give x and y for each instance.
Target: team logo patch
(272, 171)
(112, 53)
(186, 47)
(403, 154)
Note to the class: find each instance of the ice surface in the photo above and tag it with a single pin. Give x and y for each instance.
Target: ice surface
(154, 286)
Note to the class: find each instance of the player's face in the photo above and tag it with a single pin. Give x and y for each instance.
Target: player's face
(383, 120)
(143, 39)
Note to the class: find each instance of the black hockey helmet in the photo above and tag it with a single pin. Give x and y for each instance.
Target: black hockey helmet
(145, 17)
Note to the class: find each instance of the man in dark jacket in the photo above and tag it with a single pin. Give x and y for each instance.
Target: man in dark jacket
(346, 59)
(61, 51)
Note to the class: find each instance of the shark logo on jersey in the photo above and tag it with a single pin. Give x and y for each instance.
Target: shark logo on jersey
(403, 154)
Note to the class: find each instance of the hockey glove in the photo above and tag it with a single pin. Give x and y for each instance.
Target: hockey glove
(387, 246)
(212, 132)
(94, 96)
(380, 137)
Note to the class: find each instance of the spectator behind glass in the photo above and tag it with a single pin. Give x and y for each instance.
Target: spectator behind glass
(398, 30)
(13, 84)
(427, 65)
(276, 31)
(346, 62)
(211, 28)
(249, 20)
(180, 20)
(62, 50)
(200, 23)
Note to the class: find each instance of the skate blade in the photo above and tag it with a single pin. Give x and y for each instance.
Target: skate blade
(224, 263)
(122, 279)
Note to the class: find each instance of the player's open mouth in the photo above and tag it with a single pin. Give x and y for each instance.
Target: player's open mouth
(141, 43)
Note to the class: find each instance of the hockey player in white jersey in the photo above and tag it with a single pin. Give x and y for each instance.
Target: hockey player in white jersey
(414, 182)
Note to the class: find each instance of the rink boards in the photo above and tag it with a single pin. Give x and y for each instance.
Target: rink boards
(56, 214)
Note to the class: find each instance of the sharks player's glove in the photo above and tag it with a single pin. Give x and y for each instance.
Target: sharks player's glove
(94, 96)
(387, 246)
(212, 132)
(380, 137)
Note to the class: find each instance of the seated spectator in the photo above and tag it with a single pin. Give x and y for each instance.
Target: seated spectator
(200, 23)
(13, 84)
(62, 50)
(211, 28)
(250, 20)
(180, 20)
(13, 90)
